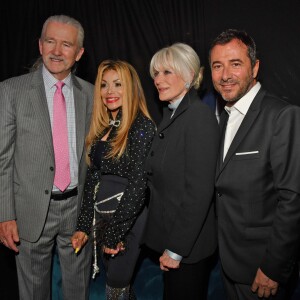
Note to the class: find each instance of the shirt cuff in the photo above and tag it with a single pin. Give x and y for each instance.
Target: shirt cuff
(173, 255)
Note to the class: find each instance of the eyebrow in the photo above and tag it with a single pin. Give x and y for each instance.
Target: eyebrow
(231, 60)
(113, 80)
(235, 59)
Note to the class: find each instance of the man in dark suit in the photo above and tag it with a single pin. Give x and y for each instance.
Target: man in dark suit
(257, 181)
(45, 116)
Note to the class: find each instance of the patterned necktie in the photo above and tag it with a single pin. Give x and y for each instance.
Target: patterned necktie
(62, 176)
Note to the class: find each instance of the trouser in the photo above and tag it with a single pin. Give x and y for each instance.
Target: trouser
(189, 282)
(8, 275)
(34, 259)
(120, 268)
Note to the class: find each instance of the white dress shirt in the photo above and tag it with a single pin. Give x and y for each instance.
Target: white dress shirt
(237, 113)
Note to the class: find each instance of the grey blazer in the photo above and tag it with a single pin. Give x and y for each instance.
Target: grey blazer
(26, 150)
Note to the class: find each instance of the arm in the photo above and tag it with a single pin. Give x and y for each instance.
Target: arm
(85, 219)
(8, 226)
(283, 244)
(134, 195)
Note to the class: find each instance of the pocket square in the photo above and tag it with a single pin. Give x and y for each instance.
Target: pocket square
(247, 153)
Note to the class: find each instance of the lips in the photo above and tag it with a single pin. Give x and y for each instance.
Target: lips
(56, 59)
(227, 86)
(112, 99)
(161, 90)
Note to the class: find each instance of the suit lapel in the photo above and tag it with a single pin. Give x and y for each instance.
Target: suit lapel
(166, 119)
(38, 100)
(185, 103)
(223, 123)
(247, 123)
(80, 113)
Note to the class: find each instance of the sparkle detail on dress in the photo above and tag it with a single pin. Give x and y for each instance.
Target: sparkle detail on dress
(131, 166)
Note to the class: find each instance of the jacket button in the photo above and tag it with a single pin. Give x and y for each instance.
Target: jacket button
(46, 192)
(51, 169)
(161, 135)
(219, 194)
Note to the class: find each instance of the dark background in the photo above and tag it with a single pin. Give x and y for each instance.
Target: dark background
(134, 30)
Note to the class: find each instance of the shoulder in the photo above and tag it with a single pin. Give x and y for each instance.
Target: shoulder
(201, 113)
(265, 100)
(273, 105)
(142, 126)
(84, 88)
(19, 81)
(275, 111)
(17, 88)
(196, 105)
(83, 84)
(141, 121)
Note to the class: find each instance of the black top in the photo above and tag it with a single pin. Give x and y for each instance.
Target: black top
(99, 150)
(131, 166)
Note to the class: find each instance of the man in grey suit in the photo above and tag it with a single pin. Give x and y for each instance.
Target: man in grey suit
(36, 212)
(257, 181)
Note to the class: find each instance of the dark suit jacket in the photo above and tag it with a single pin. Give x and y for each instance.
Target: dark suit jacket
(258, 202)
(181, 167)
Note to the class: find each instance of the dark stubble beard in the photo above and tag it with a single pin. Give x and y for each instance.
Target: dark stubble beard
(245, 89)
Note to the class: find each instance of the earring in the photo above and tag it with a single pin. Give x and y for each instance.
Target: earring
(187, 85)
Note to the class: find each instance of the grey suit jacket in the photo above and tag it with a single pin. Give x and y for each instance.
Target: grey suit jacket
(26, 149)
(258, 188)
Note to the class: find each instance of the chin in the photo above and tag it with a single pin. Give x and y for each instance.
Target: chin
(228, 97)
(164, 99)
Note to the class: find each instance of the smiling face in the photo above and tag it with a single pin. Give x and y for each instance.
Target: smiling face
(232, 73)
(112, 91)
(59, 48)
(170, 86)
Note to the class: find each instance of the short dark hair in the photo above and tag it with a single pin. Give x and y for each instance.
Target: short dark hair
(231, 34)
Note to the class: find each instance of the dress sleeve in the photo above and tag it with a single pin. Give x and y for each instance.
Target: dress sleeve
(140, 138)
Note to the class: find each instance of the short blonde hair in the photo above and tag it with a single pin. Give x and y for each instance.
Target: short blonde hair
(133, 102)
(183, 59)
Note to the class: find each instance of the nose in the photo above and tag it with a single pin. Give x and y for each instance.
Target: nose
(110, 89)
(157, 79)
(226, 74)
(57, 49)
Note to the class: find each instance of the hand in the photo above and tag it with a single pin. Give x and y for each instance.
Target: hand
(78, 240)
(263, 285)
(113, 252)
(9, 235)
(166, 262)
